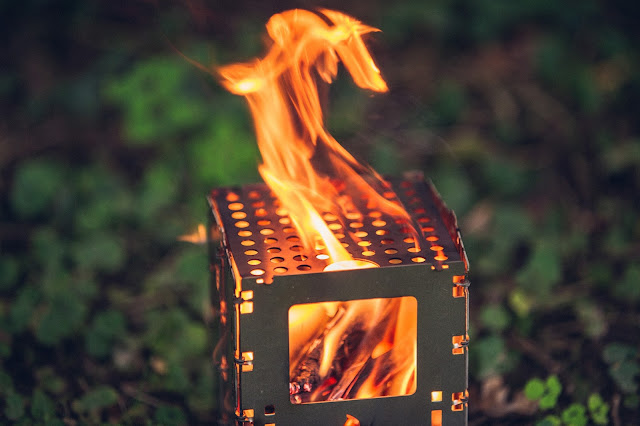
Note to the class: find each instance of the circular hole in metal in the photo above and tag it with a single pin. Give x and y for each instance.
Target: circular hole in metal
(409, 240)
(436, 248)
(405, 229)
(251, 252)
(353, 215)
(441, 257)
(382, 232)
(413, 249)
(238, 215)
(293, 238)
(267, 231)
(280, 270)
(264, 222)
(389, 195)
(364, 243)
(281, 212)
(329, 217)
(391, 251)
(254, 261)
(368, 253)
(242, 224)
(361, 234)
(339, 235)
(424, 219)
(296, 248)
(432, 238)
(270, 240)
(419, 210)
(395, 260)
(245, 233)
(356, 225)
(273, 250)
(257, 272)
(247, 242)
(236, 206)
(232, 196)
(378, 223)
(334, 226)
(288, 230)
(257, 204)
(254, 195)
(418, 259)
(284, 220)
(410, 192)
(260, 213)
(345, 245)
(375, 213)
(322, 256)
(415, 200)
(277, 259)
(300, 257)
(303, 267)
(428, 229)
(387, 241)
(405, 184)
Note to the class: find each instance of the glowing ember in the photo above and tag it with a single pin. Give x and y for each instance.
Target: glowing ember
(308, 170)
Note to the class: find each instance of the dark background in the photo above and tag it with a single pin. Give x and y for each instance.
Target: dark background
(524, 114)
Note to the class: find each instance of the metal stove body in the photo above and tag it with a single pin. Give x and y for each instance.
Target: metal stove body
(260, 271)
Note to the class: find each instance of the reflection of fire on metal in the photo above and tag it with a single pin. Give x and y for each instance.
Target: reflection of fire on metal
(359, 282)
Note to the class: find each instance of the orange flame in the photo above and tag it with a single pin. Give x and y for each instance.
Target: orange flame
(282, 92)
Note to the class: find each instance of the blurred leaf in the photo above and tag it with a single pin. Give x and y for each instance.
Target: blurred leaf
(550, 420)
(96, 399)
(14, 406)
(495, 318)
(42, 407)
(9, 270)
(550, 398)
(226, 154)
(23, 308)
(34, 187)
(592, 318)
(534, 389)
(627, 289)
(6, 384)
(575, 414)
(506, 177)
(618, 352)
(103, 252)
(490, 356)
(450, 102)
(542, 271)
(169, 416)
(106, 328)
(62, 317)
(598, 409)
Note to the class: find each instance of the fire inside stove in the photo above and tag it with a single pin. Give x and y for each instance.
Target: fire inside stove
(351, 350)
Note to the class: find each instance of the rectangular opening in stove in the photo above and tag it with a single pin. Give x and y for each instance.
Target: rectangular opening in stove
(356, 349)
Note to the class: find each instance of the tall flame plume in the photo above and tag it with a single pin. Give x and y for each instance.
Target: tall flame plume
(309, 171)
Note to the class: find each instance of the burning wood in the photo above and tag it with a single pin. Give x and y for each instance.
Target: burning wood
(336, 363)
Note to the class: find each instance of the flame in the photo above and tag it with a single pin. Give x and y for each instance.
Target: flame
(282, 92)
(199, 236)
(337, 350)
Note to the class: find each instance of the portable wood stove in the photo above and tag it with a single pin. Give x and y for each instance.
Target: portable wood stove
(262, 273)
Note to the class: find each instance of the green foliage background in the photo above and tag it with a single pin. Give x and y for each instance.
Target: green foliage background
(524, 114)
